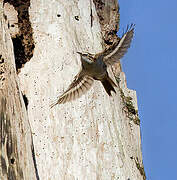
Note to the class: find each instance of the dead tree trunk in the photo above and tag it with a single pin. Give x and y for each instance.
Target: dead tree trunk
(93, 137)
(16, 151)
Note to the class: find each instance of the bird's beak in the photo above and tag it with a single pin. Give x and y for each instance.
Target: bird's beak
(79, 53)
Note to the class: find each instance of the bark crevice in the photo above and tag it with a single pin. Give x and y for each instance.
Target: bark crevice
(23, 42)
(25, 101)
(34, 161)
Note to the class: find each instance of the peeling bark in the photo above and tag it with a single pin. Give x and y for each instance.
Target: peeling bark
(108, 14)
(23, 41)
(109, 17)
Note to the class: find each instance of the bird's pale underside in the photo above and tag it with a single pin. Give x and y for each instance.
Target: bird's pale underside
(94, 67)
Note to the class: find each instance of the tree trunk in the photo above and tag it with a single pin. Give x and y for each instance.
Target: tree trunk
(93, 137)
(16, 151)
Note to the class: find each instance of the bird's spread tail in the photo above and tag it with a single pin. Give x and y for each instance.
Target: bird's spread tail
(109, 85)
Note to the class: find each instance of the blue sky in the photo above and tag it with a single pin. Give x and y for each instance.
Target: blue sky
(151, 69)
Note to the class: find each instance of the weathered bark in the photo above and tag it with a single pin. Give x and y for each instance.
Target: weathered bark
(16, 151)
(95, 136)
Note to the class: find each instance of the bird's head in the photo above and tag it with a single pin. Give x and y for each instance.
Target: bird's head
(87, 57)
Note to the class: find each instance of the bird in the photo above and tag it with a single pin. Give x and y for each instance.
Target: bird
(94, 67)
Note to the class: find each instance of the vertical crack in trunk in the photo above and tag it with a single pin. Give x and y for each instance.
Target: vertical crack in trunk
(25, 101)
(34, 160)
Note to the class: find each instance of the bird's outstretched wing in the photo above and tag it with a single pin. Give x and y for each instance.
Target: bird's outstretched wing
(119, 50)
(78, 87)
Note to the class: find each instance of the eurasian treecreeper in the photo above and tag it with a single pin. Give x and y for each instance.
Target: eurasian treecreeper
(94, 67)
